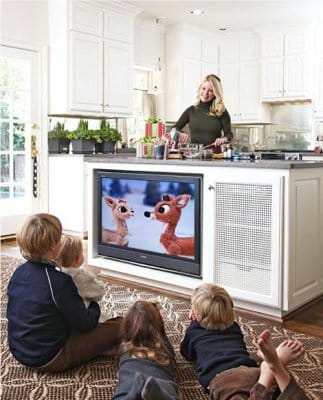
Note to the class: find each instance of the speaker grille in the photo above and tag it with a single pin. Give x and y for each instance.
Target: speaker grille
(243, 237)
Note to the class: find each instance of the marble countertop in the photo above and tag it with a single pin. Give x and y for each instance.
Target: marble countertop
(130, 159)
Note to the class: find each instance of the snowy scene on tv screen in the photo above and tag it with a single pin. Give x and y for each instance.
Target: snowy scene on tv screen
(149, 215)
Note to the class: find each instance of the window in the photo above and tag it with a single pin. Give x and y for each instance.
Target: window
(136, 125)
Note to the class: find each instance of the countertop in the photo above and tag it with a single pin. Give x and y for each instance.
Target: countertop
(131, 159)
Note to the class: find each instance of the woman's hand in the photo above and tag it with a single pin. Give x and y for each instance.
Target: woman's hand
(220, 141)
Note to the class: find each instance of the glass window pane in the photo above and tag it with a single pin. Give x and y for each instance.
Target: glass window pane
(4, 138)
(20, 74)
(18, 191)
(4, 104)
(4, 71)
(4, 161)
(19, 136)
(19, 168)
(4, 192)
(140, 79)
(21, 105)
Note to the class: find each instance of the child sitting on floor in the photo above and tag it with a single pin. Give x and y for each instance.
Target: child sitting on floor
(215, 342)
(71, 259)
(147, 358)
(49, 327)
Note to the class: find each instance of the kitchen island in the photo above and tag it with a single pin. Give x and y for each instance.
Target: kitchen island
(268, 258)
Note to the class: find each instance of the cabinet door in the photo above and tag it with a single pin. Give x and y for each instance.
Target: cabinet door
(318, 97)
(230, 82)
(272, 45)
(192, 75)
(296, 76)
(192, 46)
(67, 197)
(272, 77)
(297, 42)
(118, 77)
(248, 103)
(210, 51)
(209, 68)
(118, 26)
(86, 18)
(86, 72)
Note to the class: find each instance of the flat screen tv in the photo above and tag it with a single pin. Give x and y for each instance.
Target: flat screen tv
(151, 219)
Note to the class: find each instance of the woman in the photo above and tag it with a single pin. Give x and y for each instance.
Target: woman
(208, 118)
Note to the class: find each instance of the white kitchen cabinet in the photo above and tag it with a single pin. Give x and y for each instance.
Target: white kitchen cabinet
(261, 232)
(318, 74)
(148, 44)
(239, 73)
(86, 18)
(86, 85)
(91, 64)
(67, 197)
(190, 54)
(285, 64)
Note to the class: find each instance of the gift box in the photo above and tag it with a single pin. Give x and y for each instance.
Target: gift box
(145, 150)
(157, 129)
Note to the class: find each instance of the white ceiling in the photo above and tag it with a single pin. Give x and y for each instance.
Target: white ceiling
(232, 15)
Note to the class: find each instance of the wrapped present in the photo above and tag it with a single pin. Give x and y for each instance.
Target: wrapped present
(148, 129)
(161, 129)
(156, 129)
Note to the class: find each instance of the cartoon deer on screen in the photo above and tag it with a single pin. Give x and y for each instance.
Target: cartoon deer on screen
(169, 211)
(120, 212)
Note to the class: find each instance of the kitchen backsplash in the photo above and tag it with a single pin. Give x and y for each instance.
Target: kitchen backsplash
(291, 128)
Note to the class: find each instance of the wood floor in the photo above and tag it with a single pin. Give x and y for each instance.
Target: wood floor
(307, 320)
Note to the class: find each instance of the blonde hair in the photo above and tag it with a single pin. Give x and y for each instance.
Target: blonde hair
(38, 234)
(71, 247)
(213, 307)
(217, 107)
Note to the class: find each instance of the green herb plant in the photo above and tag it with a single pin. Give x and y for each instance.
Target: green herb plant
(58, 132)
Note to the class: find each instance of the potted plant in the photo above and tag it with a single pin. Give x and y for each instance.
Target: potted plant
(107, 138)
(82, 139)
(58, 141)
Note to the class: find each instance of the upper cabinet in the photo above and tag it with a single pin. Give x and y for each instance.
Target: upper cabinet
(318, 74)
(149, 44)
(239, 73)
(286, 64)
(91, 58)
(190, 54)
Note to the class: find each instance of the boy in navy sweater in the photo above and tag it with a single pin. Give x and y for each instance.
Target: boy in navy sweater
(215, 343)
(49, 327)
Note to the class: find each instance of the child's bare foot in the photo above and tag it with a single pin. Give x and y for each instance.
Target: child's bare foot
(276, 359)
(286, 352)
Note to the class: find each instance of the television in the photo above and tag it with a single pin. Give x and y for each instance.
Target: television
(151, 219)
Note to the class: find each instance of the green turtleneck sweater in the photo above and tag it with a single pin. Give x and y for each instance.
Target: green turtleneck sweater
(204, 127)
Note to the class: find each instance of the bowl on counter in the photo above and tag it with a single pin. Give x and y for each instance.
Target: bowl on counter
(189, 150)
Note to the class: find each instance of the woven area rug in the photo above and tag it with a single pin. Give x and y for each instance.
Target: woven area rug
(96, 380)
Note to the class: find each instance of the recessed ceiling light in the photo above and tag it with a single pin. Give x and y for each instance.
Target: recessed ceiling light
(196, 12)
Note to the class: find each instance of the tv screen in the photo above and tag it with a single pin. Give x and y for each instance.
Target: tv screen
(152, 219)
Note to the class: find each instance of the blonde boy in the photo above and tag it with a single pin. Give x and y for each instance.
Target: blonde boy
(215, 343)
(49, 327)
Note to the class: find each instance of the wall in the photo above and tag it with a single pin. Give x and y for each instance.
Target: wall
(24, 22)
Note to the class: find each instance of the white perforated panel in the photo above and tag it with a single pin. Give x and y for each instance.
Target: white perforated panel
(243, 237)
